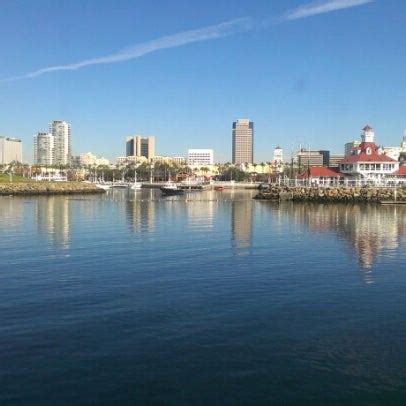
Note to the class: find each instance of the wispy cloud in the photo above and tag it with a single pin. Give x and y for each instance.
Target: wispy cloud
(203, 34)
(136, 51)
(321, 7)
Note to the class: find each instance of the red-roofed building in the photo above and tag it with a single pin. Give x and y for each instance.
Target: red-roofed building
(322, 175)
(401, 172)
(368, 162)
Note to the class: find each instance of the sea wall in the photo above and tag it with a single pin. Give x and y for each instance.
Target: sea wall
(48, 188)
(333, 194)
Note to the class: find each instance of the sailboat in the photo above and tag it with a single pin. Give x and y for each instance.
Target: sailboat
(136, 185)
(101, 184)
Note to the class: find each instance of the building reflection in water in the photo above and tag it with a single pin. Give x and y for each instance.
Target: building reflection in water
(369, 229)
(53, 219)
(200, 210)
(11, 213)
(140, 210)
(241, 224)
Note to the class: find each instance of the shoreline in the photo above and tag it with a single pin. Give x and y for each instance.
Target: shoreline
(47, 188)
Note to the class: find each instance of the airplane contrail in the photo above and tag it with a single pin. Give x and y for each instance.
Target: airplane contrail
(321, 7)
(202, 34)
(136, 51)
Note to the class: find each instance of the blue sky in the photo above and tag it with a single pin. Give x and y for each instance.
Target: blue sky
(305, 79)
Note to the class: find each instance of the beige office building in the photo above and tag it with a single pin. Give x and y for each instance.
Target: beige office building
(243, 141)
(10, 150)
(306, 158)
(140, 146)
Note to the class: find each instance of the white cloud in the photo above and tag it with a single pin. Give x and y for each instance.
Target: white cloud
(321, 7)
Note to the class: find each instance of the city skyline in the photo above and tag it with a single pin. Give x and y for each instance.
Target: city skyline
(306, 66)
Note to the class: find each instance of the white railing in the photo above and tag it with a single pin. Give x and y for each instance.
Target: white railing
(384, 183)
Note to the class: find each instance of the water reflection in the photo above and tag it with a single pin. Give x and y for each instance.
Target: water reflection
(140, 210)
(53, 219)
(11, 213)
(370, 230)
(241, 226)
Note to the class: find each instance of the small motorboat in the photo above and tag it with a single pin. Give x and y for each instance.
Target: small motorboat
(170, 188)
(103, 186)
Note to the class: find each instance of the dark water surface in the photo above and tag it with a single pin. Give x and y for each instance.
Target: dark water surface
(212, 298)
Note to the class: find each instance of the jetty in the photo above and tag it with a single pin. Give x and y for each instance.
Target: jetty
(334, 194)
(48, 188)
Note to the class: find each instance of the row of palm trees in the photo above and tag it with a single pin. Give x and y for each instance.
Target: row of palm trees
(156, 171)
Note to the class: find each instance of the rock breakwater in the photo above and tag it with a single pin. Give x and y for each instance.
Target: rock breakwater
(333, 194)
(48, 188)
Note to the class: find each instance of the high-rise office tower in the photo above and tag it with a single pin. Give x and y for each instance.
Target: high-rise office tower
(43, 149)
(140, 146)
(243, 141)
(10, 150)
(61, 131)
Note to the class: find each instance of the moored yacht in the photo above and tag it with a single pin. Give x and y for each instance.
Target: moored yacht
(170, 188)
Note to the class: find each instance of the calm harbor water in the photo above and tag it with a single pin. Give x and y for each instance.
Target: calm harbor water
(212, 297)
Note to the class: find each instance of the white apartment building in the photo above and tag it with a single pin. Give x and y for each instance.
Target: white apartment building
(61, 131)
(200, 157)
(43, 149)
(10, 150)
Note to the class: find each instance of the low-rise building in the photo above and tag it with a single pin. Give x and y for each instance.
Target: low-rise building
(127, 160)
(335, 160)
(200, 157)
(11, 149)
(320, 175)
(367, 162)
(89, 159)
(307, 158)
(170, 160)
(393, 152)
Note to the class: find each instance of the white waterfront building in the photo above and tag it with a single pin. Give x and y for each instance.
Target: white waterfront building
(200, 157)
(10, 150)
(278, 155)
(367, 162)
